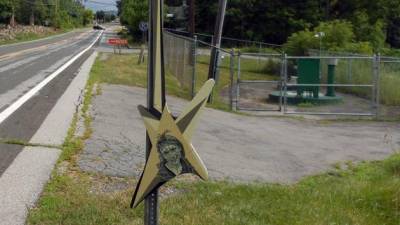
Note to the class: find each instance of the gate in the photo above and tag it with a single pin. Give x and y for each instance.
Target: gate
(259, 77)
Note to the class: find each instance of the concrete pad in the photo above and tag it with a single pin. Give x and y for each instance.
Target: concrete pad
(22, 183)
(54, 129)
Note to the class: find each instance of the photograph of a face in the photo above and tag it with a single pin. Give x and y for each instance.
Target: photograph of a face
(172, 158)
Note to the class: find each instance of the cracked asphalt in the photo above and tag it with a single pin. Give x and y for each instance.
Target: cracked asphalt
(234, 147)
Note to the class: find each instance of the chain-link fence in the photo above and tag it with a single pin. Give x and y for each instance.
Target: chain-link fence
(258, 78)
(188, 60)
(324, 86)
(248, 46)
(389, 87)
(324, 83)
(180, 60)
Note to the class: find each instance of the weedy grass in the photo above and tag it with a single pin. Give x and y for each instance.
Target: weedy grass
(119, 69)
(360, 72)
(367, 193)
(22, 37)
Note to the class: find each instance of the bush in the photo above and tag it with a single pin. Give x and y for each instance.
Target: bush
(299, 43)
(360, 48)
(272, 67)
(338, 34)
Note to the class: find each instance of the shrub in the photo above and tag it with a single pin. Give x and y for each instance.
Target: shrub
(338, 34)
(299, 43)
(272, 67)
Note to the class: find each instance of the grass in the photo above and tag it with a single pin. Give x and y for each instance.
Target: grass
(359, 71)
(365, 194)
(23, 37)
(28, 144)
(117, 69)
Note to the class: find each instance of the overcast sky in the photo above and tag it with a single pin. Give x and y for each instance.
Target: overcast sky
(101, 5)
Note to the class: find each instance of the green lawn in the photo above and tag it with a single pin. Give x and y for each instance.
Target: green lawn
(364, 194)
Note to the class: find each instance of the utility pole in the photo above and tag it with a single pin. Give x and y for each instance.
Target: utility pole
(192, 20)
(216, 42)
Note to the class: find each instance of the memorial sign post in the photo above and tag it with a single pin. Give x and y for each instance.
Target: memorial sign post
(169, 152)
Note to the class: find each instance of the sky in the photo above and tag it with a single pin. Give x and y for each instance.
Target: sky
(97, 5)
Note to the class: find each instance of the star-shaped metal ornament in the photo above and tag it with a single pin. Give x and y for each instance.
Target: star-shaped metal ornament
(172, 152)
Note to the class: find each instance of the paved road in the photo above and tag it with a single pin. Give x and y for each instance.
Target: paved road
(22, 67)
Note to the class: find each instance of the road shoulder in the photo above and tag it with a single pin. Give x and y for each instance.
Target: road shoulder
(23, 181)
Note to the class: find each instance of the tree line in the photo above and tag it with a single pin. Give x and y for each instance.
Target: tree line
(56, 13)
(349, 24)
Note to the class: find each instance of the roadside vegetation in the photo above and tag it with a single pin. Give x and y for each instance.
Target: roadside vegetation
(360, 26)
(367, 193)
(26, 20)
(31, 35)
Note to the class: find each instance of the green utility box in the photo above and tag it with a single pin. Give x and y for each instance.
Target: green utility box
(308, 73)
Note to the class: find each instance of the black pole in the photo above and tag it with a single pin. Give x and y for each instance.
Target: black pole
(216, 42)
(191, 18)
(151, 209)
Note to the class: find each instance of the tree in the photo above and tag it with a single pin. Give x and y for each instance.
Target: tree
(134, 12)
(87, 17)
(300, 42)
(5, 10)
(338, 33)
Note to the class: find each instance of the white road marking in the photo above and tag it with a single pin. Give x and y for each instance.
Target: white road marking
(17, 104)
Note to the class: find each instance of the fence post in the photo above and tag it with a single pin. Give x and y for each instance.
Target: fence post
(282, 82)
(194, 57)
(259, 55)
(238, 82)
(232, 71)
(377, 60)
(285, 74)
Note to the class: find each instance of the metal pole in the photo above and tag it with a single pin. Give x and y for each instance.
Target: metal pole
(282, 83)
(373, 82)
(151, 210)
(377, 77)
(217, 39)
(238, 82)
(232, 71)
(194, 66)
(285, 84)
(259, 55)
(192, 19)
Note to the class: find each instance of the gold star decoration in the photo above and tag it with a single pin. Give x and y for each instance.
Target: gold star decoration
(172, 152)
